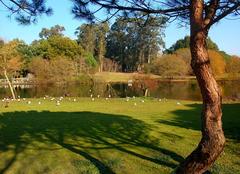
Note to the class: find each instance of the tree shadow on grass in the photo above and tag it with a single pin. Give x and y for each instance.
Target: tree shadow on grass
(86, 130)
(190, 119)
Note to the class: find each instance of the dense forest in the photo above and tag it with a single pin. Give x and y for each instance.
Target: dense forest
(128, 45)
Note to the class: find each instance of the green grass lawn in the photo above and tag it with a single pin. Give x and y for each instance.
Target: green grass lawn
(108, 136)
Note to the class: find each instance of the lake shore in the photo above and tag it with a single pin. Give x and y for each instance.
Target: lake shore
(119, 77)
(113, 77)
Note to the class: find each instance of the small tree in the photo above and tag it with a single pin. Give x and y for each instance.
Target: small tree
(217, 62)
(170, 65)
(10, 62)
(233, 65)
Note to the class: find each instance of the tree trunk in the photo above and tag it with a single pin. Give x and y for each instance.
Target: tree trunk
(10, 85)
(213, 140)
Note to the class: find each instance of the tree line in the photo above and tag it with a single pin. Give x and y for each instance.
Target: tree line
(176, 61)
(125, 46)
(130, 44)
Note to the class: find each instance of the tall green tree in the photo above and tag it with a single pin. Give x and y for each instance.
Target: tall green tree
(117, 43)
(135, 41)
(101, 32)
(185, 43)
(56, 30)
(201, 15)
(86, 37)
(56, 46)
(92, 37)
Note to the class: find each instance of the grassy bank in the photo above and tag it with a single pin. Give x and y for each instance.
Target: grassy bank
(108, 136)
(124, 77)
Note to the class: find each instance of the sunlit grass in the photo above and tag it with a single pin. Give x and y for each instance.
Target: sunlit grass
(107, 136)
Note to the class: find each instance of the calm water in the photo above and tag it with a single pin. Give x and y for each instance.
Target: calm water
(171, 90)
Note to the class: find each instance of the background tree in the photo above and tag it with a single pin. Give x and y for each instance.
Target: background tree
(117, 42)
(135, 41)
(27, 53)
(185, 55)
(56, 70)
(233, 65)
(1, 43)
(10, 62)
(217, 62)
(201, 15)
(169, 65)
(86, 37)
(101, 32)
(56, 30)
(92, 37)
(185, 43)
(56, 46)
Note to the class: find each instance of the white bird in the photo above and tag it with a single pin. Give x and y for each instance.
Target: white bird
(29, 102)
(52, 99)
(178, 103)
(106, 98)
(74, 100)
(18, 100)
(98, 96)
(143, 101)
(44, 98)
(58, 103)
(159, 99)
(134, 97)
(109, 96)
(127, 99)
(39, 102)
(91, 96)
(135, 104)
(24, 99)
(93, 99)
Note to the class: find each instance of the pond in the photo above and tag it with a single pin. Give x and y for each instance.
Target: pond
(186, 90)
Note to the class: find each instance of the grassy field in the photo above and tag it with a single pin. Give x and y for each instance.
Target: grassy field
(108, 136)
(124, 77)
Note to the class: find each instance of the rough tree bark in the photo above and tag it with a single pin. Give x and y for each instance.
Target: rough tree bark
(213, 140)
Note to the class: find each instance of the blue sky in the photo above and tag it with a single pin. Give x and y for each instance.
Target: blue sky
(225, 34)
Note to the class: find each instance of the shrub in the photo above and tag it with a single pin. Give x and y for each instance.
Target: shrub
(169, 65)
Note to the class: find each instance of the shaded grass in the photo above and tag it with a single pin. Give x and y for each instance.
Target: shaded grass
(111, 136)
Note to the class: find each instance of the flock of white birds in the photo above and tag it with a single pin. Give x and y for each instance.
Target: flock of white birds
(58, 100)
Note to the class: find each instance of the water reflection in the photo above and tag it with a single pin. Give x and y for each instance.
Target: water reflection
(187, 90)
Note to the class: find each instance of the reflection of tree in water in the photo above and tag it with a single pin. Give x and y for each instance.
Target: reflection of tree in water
(121, 89)
(172, 90)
